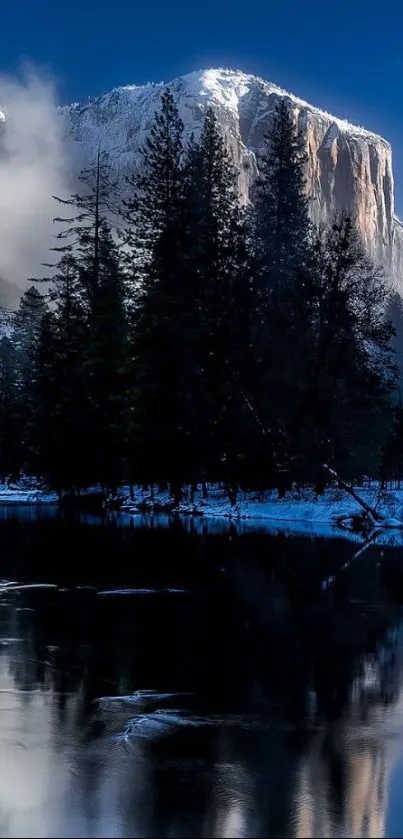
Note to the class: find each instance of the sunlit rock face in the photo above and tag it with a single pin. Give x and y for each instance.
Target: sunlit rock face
(349, 169)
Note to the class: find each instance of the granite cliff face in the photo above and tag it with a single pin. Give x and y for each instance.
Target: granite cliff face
(349, 169)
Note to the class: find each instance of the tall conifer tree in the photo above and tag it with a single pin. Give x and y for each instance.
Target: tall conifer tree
(154, 218)
(221, 288)
(281, 204)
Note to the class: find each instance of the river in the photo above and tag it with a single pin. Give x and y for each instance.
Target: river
(160, 679)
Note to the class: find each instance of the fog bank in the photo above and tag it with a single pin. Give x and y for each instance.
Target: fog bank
(33, 167)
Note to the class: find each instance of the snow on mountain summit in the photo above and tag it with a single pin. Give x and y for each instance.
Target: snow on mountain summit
(119, 120)
(228, 87)
(220, 87)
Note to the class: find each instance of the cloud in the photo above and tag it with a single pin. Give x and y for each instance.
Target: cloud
(33, 167)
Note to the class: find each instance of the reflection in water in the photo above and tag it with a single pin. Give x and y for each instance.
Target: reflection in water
(342, 791)
(234, 697)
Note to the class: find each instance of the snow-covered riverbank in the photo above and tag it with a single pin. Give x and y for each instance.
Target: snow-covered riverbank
(300, 511)
(26, 493)
(301, 505)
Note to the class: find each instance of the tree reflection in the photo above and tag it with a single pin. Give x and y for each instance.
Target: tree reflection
(292, 682)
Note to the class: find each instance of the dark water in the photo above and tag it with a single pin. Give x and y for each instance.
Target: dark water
(174, 683)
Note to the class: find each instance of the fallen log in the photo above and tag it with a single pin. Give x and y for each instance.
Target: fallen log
(376, 519)
(372, 514)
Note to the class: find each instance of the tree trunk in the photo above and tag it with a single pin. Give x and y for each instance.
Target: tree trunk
(176, 490)
(320, 485)
(232, 492)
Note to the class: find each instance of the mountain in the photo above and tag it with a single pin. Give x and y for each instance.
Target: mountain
(10, 294)
(349, 168)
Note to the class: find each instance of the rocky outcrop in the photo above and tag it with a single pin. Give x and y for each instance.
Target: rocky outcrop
(349, 168)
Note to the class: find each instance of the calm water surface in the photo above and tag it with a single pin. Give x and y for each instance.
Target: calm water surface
(171, 681)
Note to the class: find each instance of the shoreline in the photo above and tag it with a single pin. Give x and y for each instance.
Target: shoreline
(299, 512)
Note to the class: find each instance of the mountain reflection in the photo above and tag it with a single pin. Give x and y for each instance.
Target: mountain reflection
(287, 718)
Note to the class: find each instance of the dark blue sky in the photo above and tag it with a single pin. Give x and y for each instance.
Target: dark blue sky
(345, 56)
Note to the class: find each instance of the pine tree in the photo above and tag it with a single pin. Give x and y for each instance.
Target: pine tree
(89, 339)
(105, 364)
(281, 204)
(27, 324)
(154, 233)
(28, 319)
(43, 429)
(392, 455)
(10, 447)
(220, 292)
(345, 414)
(81, 233)
(394, 313)
(62, 456)
(152, 213)
(282, 234)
